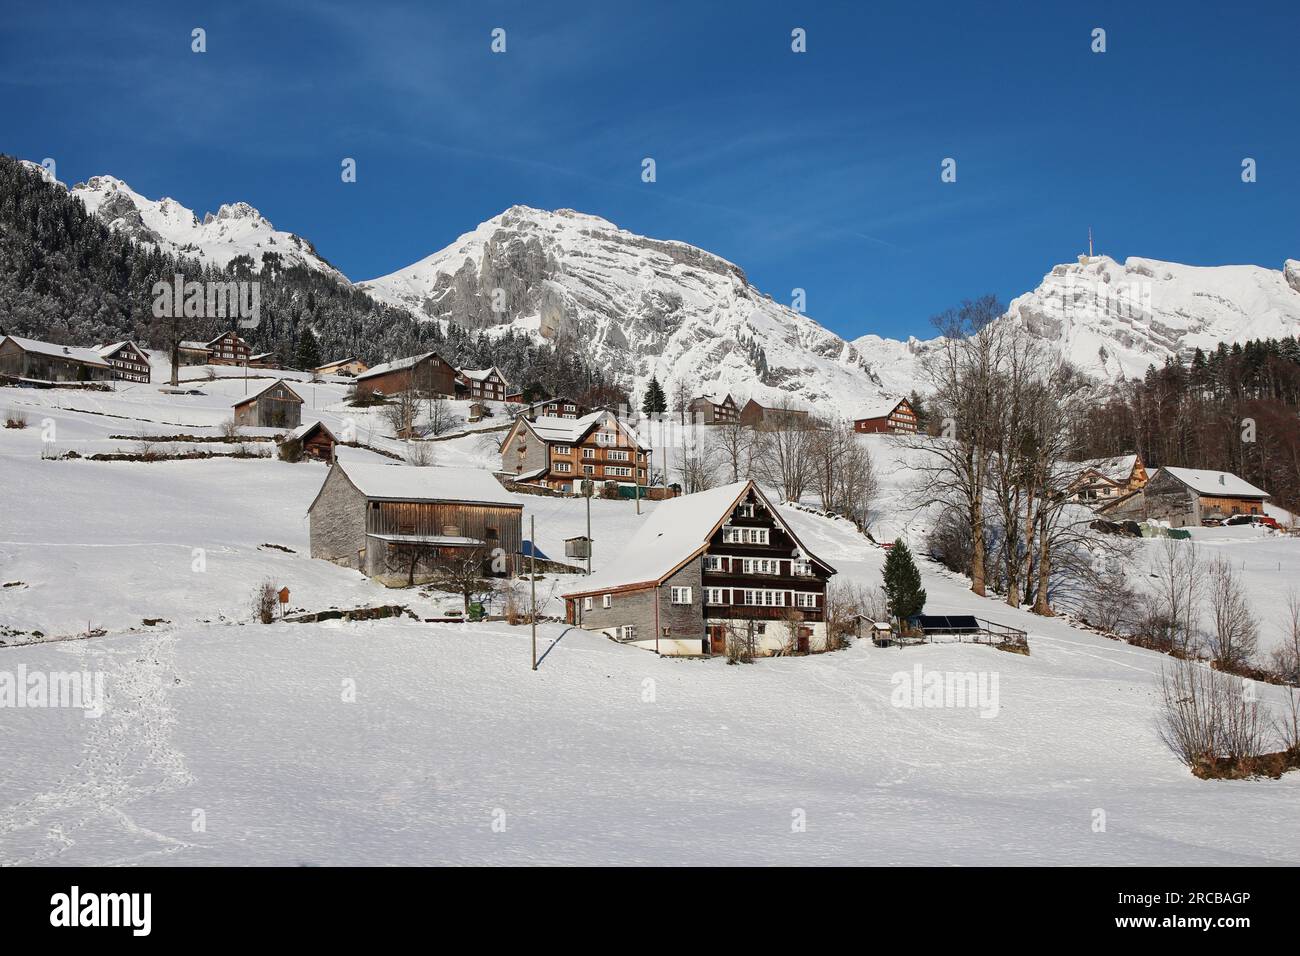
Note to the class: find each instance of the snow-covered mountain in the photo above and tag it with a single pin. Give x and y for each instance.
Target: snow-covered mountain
(638, 306)
(234, 230)
(1114, 320)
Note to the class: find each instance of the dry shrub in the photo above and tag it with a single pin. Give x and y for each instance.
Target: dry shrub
(265, 598)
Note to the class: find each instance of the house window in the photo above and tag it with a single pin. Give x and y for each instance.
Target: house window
(586, 604)
(563, 450)
(713, 595)
(607, 600)
(802, 567)
(563, 466)
(629, 632)
(681, 595)
(747, 510)
(588, 469)
(805, 599)
(589, 453)
(618, 456)
(712, 562)
(732, 535)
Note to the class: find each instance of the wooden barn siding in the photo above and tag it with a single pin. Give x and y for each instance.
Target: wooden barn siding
(433, 518)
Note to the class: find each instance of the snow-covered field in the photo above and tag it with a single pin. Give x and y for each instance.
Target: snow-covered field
(402, 741)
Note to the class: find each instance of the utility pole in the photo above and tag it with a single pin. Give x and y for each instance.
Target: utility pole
(587, 487)
(532, 559)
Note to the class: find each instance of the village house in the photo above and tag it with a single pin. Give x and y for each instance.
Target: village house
(265, 360)
(1187, 496)
(705, 569)
(399, 524)
(484, 384)
(348, 368)
(130, 362)
(428, 374)
(713, 410)
(763, 418)
(228, 349)
(558, 453)
(894, 416)
(194, 353)
(276, 406)
(1101, 480)
(28, 361)
(558, 407)
(309, 440)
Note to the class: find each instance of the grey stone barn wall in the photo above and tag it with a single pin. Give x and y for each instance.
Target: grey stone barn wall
(338, 522)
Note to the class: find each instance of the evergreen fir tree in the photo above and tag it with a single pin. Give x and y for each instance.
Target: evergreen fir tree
(903, 583)
(655, 400)
(308, 355)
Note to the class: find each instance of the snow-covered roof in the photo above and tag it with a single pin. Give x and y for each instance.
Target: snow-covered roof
(195, 345)
(1113, 469)
(1205, 482)
(880, 408)
(556, 430)
(73, 352)
(303, 430)
(674, 533)
(714, 398)
(395, 366)
(436, 483)
(481, 374)
(258, 394)
(238, 338)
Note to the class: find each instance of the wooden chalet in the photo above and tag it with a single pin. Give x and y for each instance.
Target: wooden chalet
(31, 362)
(399, 524)
(893, 416)
(558, 407)
(428, 374)
(265, 360)
(558, 453)
(763, 418)
(194, 353)
(130, 362)
(706, 569)
(276, 406)
(228, 349)
(348, 368)
(713, 409)
(309, 440)
(1103, 480)
(482, 384)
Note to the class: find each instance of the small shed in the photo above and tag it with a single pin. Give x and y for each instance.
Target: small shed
(276, 406)
(579, 547)
(309, 440)
(477, 412)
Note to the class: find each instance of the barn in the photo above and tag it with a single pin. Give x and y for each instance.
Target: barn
(1187, 496)
(276, 406)
(309, 440)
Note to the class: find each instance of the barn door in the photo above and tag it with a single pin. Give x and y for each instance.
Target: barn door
(718, 638)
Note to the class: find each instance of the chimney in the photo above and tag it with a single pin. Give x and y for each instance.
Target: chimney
(1222, 480)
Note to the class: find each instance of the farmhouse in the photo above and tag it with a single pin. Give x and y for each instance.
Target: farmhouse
(713, 409)
(309, 440)
(705, 569)
(399, 524)
(428, 374)
(558, 407)
(1187, 496)
(265, 360)
(42, 363)
(349, 368)
(559, 453)
(1101, 480)
(228, 349)
(276, 406)
(763, 418)
(130, 362)
(485, 384)
(893, 416)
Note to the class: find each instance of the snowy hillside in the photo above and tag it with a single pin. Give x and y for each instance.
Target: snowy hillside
(235, 229)
(639, 306)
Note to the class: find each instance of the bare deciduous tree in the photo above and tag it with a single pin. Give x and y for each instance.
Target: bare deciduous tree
(1206, 715)
(1235, 631)
(732, 445)
(781, 458)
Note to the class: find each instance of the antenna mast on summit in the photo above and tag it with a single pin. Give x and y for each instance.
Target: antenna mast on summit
(1090, 242)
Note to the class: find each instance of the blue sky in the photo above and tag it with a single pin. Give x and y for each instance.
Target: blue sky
(818, 170)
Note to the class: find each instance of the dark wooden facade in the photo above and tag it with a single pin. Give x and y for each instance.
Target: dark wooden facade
(130, 362)
(901, 419)
(276, 406)
(27, 359)
(428, 374)
(228, 349)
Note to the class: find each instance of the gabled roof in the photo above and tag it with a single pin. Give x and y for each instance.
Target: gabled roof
(397, 365)
(306, 428)
(1115, 469)
(414, 483)
(881, 408)
(196, 346)
(336, 364)
(110, 349)
(258, 394)
(481, 374)
(714, 398)
(1205, 482)
(570, 431)
(223, 335)
(72, 352)
(677, 531)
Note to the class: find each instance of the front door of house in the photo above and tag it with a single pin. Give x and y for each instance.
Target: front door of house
(718, 638)
(804, 634)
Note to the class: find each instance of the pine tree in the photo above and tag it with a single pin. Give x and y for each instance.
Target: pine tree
(656, 403)
(308, 355)
(903, 583)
